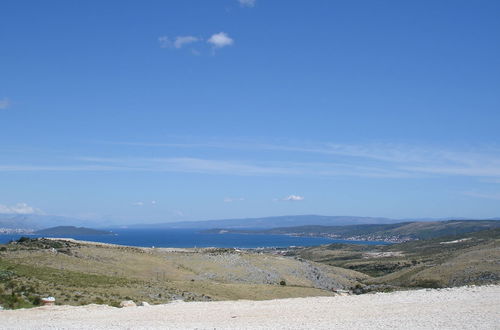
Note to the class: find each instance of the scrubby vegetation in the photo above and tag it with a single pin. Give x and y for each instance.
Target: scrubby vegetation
(441, 262)
(14, 293)
(395, 232)
(78, 274)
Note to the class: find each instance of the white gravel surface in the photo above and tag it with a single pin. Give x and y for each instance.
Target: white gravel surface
(458, 308)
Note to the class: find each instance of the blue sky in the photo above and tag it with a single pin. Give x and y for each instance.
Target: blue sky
(148, 111)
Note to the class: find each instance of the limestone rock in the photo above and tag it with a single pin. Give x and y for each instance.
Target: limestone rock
(127, 303)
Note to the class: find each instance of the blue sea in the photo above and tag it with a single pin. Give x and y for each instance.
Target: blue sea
(188, 238)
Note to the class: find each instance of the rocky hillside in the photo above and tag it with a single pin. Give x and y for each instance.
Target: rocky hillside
(396, 232)
(77, 273)
(442, 262)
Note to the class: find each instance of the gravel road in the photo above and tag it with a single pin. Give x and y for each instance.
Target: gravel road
(457, 308)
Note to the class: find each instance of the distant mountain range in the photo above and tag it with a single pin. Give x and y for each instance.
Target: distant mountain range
(283, 221)
(396, 232)
(37, 222)
(268, 222)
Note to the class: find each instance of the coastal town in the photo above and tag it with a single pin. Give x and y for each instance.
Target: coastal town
(366, 238)
(15, 231)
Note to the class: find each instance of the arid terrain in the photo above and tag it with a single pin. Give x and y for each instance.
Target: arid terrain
(456, 308)
(467, 259)
(336, 285)
(80, 273)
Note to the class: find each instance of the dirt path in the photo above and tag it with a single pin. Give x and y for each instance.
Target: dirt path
(458, 308)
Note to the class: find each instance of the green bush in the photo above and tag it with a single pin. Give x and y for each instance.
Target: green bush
(114, 304)
(6, 275)
(35, 300)
(23, 239)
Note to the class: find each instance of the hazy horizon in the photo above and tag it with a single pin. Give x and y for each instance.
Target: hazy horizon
(47, 220)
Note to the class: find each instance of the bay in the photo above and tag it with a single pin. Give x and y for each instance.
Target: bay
(190, 238)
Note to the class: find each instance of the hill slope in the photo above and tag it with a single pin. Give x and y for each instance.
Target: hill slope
(63, 231)
(396, 232)
(77, 273)
(465, 259)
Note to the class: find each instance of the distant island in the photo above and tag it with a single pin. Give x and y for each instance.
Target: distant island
(71, 230)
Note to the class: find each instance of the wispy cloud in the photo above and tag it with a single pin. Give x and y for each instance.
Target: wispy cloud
(184, 40)
(247, 3)
(293, 198)
(231, 199)
(178, 42)
(141, 203)
(382, 160)
(341, 160)
(4, 103)
(456, 170)
(216, 40)
(19, 208)
(495, 196)
(165, 42)
(82, 167)
(220, 40)
(212, 166)
(178, 213)
(245, 168)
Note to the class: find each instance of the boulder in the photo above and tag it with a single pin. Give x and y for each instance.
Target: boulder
(127, 303)
(144, 304)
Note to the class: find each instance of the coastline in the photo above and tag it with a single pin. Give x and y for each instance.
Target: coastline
(164, 249)
(189, 238)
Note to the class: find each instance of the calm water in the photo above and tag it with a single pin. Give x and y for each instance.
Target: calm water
(186, 238)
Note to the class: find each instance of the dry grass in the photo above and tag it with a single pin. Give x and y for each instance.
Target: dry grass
(92, 273)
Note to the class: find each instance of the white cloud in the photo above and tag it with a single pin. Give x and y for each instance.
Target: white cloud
(184, 40)
(217, 40)
(4, 103)
(293, 198)
(164, 42)
(140, 203)
(19, 208)
(178, 42)
(220, 40)
(230, 199)
(247, 3)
